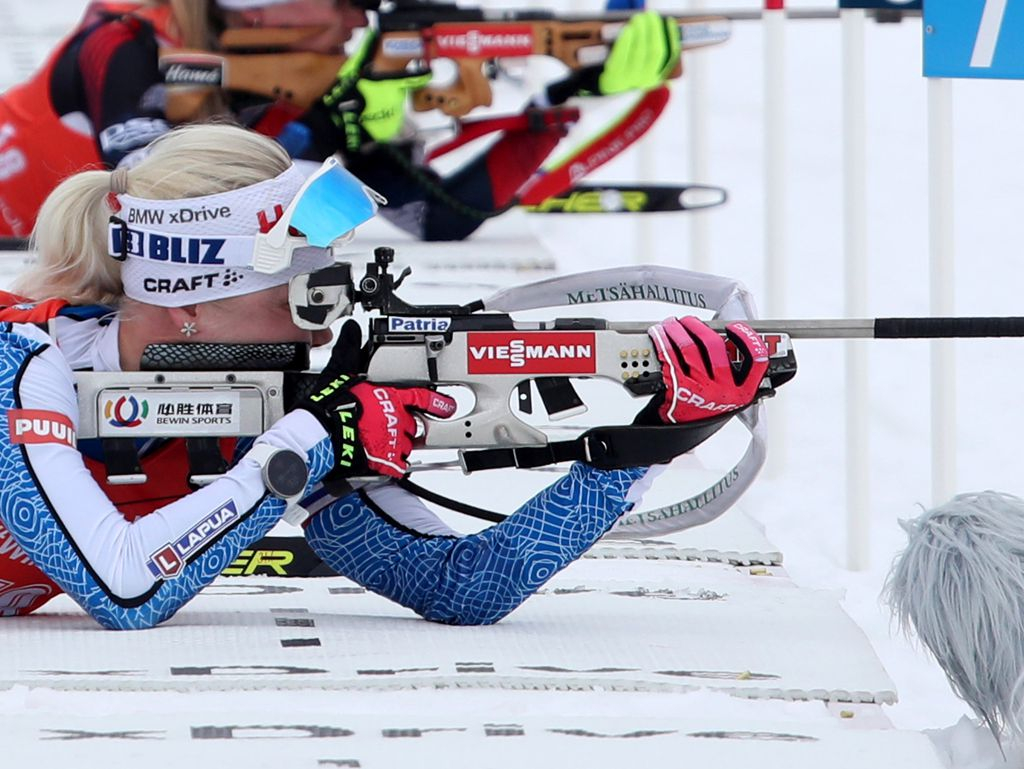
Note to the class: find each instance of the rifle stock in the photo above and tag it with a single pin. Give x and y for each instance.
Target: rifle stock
(258, 61)
(472, 44)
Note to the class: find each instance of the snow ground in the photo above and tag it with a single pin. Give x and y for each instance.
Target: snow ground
(801, 502)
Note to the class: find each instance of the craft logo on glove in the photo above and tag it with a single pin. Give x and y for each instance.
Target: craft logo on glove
(38, 426)
(686, 397)
(758, 347)
(387, 406)
(775, 345)
(169, 560)
(539, 352)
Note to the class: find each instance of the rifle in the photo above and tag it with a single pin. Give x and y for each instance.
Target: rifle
(202, 392)
(206, 391)
(259, 61)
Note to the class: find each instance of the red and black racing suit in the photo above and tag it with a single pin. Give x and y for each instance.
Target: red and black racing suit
(100, 96)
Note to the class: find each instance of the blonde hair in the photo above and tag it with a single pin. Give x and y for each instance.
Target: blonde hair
(70, 235)
(195, 22)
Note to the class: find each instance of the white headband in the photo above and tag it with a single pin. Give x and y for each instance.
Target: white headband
(192, 250)
(174, 285)
(244, 211)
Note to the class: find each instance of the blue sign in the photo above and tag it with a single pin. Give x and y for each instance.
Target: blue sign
(974, 38)
(895, 5)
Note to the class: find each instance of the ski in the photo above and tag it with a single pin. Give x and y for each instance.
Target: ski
(631, 199)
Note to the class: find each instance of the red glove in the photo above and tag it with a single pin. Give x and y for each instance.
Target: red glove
(371, 426)
(387, 425)
(700, 380)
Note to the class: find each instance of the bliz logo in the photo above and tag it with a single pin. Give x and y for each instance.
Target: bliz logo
(126, 411)
(169, 561)
(164, 248)
(538, 352)
(38, 426)
(437, 325)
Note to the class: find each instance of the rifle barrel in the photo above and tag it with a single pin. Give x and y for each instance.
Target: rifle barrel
(892, 328)
(422, 15)
(795, 14)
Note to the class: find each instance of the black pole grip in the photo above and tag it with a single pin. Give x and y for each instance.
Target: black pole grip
(947, 328)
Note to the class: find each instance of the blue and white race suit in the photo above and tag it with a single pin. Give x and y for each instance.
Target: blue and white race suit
(384, 538)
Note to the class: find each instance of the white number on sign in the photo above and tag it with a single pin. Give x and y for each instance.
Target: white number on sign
(988, 33)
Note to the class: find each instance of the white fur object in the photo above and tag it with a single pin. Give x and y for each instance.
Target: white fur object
(960, 585)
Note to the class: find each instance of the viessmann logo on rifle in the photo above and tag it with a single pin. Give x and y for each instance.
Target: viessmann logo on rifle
(531, 352)
(494, 40)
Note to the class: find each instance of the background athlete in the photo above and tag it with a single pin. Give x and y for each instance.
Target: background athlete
(100, 96)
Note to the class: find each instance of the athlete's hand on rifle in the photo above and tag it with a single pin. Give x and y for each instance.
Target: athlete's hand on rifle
(697, 370)
(643, 56)
(367, 106)
(371, 426)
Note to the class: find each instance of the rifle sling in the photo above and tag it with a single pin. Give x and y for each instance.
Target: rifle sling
(451, 504)
(606, 448)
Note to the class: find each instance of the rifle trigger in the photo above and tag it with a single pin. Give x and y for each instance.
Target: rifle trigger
(524, 397)
(560, 398)
(434, 344)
